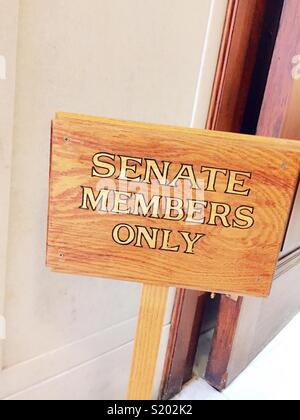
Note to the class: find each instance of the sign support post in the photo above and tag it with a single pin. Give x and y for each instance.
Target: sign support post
(147, 342)
(185, 207)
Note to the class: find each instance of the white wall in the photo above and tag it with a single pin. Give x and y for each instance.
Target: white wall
(148, 60)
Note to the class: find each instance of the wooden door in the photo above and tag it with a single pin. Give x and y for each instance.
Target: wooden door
(246, 326)
(240, 42)
(244, 62)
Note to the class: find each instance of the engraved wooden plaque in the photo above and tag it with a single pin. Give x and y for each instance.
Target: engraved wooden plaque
(168, 206)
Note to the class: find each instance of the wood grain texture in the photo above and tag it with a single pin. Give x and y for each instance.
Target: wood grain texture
(186, 323)
(236, 64)
(242, 31)
(279, 114)
(262, 57)
(233, 260)
(147, 342)
(216, 373)
(279, 117)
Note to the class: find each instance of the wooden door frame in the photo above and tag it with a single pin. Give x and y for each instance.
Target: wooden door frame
(8, 48)
(244, 26)
(277, 119)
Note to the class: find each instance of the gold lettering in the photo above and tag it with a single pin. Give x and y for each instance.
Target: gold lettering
(174, 205)
(126, 168)
(219, 211)
(196, 207)
(150, 238)
(140, 206)
(109, 167)
(233, 182)
(127, 240)
(212, 177)
(161, 176)
(99, 203)
(190, 243)
(165, 243)
(186, 173)
(247, 220)
(121, 199)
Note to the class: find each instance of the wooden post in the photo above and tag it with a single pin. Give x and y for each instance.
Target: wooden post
(147, 342)
(82, 239)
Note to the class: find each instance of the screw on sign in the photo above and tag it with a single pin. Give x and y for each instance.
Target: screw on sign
(167, 207)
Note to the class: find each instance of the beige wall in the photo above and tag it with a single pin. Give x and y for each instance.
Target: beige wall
(148, 60)
(8, 45)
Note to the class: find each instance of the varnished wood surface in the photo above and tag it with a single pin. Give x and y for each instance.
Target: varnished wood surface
(147, 342)
(229, 311)
(242, 31)
(241, 37)
(280, 115)
(228, 259)
(183, 341)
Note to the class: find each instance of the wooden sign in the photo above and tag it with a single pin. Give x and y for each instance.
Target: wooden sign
(168, 206)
